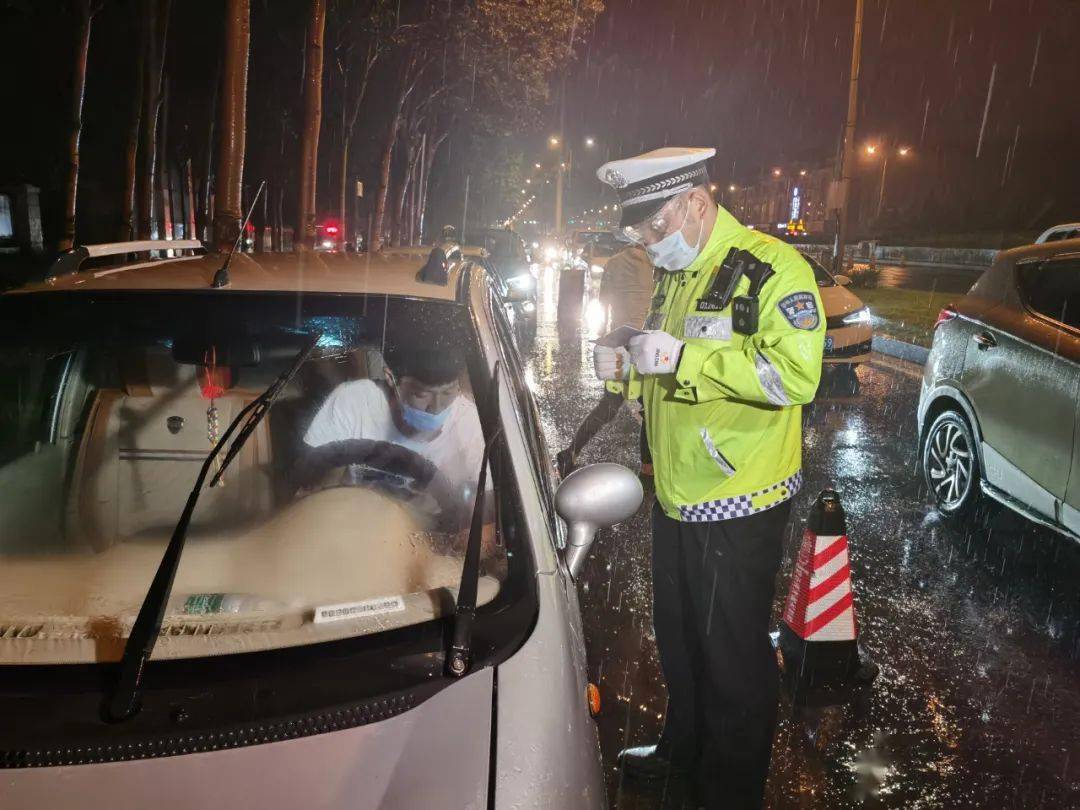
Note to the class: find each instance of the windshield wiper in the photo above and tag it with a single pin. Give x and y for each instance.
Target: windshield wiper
(123, 701)
(459, 658)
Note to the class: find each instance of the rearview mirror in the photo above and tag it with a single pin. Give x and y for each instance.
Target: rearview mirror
(843, 280)
(593, 498)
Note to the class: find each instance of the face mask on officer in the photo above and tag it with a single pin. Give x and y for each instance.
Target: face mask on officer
(671, 251)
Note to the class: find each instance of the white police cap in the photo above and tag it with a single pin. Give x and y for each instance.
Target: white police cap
(644, 183)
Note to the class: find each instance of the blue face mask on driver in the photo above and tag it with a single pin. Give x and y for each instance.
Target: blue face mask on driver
(422, 420)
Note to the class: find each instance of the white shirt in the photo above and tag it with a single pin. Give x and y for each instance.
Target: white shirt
(360, 410)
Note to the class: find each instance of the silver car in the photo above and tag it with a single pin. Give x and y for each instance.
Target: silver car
(1000, 405)
(368, 634)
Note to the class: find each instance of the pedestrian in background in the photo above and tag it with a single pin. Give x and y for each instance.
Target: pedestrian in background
(732, 351)
(625, 291)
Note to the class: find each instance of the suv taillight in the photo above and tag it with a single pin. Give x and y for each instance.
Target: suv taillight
(945, 316)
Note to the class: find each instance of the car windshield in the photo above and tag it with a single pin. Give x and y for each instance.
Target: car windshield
(343, 515)
(821, 275)
(501, 245)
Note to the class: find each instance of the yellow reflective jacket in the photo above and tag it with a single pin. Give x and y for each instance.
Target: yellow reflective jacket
(725, 430)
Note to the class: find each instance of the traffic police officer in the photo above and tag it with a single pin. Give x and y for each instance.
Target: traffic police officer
(732, 351)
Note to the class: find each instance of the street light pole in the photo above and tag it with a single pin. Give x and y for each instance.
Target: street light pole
(559, 195)
(847, 155)
(881, 194)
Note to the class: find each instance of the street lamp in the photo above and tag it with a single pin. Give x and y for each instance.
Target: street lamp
(554, 141)
(872, 149)
(775, 172)
(590, 142)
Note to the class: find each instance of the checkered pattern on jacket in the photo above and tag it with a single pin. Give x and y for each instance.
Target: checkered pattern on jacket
(738, 505)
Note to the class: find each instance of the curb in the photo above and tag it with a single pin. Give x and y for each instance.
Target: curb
(900, 350)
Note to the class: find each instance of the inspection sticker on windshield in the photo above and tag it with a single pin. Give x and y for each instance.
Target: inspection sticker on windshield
(359, 610)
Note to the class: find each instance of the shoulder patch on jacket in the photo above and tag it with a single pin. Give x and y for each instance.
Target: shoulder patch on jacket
(801, 311)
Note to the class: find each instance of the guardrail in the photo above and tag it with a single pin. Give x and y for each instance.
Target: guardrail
(975, 258)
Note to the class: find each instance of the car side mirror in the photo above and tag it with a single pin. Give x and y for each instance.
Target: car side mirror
(842, 280)
(593, 498)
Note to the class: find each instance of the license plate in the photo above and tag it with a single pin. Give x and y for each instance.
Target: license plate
(828, 343)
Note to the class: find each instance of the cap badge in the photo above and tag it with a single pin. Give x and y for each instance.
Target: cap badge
(614, 179)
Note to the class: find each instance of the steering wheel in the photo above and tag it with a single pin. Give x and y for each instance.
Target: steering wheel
(396, 461)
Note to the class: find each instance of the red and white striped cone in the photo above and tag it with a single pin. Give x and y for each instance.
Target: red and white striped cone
(818, 634)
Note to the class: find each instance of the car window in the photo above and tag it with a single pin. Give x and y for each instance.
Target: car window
(821, 275)
(6, 230)
(1059, 236)
(530, 416)
(500, 244)
(345, 513)
(1052, 289)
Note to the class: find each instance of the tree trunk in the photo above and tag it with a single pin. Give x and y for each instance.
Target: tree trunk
(383, 192)
(414, 200)
(129, 227)
(348, 125)
(78, 91)
(432, 148)
(166, 228)
(232, 134)
(410, 209)
(189, 202)
(343, 189)
(156, 21)
(309, 142)
(402, 194)
(207, 211)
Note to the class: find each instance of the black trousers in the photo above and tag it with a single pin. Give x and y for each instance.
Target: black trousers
(713, 588)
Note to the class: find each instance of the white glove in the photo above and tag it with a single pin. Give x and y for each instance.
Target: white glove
(655, 352)
(611, 364)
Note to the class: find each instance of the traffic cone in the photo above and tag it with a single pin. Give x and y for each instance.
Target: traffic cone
(818, 634)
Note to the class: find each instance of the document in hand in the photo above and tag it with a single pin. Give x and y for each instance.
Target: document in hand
(619, 337)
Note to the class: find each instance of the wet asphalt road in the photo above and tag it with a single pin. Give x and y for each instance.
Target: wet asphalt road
(976, 630)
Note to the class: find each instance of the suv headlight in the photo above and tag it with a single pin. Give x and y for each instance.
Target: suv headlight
(859, 316)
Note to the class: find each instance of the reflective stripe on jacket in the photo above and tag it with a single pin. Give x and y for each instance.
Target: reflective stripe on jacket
(725, 430)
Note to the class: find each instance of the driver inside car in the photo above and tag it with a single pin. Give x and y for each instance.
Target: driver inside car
(419, 408)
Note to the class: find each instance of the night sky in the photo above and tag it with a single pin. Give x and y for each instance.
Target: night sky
(764, 81)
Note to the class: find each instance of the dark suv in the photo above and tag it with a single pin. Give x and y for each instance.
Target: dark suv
(998, 413)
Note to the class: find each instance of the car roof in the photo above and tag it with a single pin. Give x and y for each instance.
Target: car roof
(308, 271)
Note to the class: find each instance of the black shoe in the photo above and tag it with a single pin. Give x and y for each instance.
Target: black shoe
(644, 762)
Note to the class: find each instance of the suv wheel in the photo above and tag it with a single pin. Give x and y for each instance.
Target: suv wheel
(951, 465)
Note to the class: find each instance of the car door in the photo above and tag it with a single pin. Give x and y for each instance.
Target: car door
(1021, 376)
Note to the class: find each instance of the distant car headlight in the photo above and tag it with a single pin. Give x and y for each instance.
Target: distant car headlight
(859, 316)
(528, 307)
(328, 243)
(522, 283)
(551, 253)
